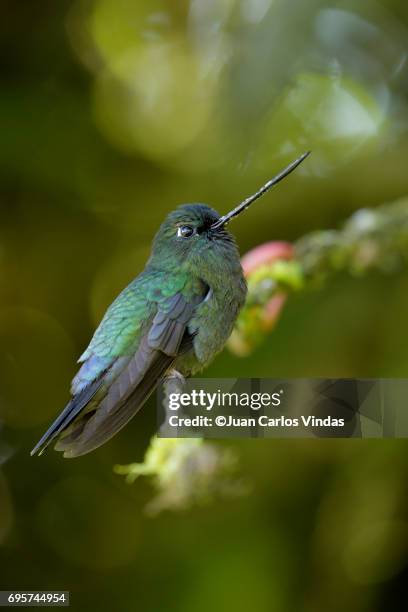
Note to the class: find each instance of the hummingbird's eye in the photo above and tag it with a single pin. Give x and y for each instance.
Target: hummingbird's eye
(185, 231)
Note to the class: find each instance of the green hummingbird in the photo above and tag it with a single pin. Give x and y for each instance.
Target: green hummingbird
(170, 321)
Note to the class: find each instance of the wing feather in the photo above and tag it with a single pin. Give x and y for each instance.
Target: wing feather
(166, 338)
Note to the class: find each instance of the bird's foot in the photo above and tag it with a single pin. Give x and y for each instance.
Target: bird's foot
(175, 376)
(173, 384)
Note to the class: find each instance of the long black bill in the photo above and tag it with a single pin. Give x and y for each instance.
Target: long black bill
(248, 201)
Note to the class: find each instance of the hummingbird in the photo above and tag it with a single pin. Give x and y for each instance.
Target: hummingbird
(171, 320)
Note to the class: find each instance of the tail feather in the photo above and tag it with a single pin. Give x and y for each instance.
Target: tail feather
(124, 399)
(111, 416)
(70, 412)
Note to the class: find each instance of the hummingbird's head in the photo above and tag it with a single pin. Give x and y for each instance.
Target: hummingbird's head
(189, 238)
(194, 236)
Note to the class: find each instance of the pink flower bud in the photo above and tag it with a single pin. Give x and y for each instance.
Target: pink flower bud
(262, 255)
(265, 254)
(272, 310)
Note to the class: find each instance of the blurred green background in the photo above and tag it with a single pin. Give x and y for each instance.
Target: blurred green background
(113, 112)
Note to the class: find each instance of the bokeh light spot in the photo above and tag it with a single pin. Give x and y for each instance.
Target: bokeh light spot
(334, 117)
